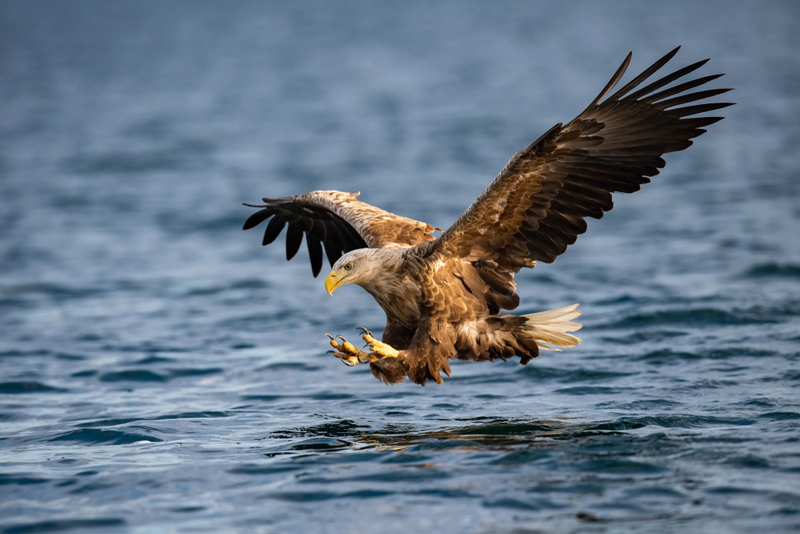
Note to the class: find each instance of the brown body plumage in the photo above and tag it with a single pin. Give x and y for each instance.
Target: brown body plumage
(442, 296)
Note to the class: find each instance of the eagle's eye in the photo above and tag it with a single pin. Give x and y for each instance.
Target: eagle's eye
(348, 266)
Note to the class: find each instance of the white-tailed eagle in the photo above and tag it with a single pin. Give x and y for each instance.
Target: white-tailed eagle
(443, 296)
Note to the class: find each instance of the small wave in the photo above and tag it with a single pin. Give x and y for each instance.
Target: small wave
(107, 437)
(570, 375)
(589, 390)
(133, 376)
(177, 373)
(668, 421)
(62, 525)
(694, 317)
(126, 420)
(269, 469)
(780, 416)
(645, 336)
(342, 428)
(28, 387)
(21, 480)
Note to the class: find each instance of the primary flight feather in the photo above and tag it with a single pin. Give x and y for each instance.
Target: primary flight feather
(442, 296)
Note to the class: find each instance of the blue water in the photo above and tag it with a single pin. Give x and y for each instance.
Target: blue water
(160, 371)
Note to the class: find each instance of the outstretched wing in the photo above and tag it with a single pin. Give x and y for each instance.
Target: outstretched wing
(339, 221)
(536, 206)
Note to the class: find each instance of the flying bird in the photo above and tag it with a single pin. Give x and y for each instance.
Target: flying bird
(443, 296)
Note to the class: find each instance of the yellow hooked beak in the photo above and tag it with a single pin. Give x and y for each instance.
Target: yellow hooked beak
(332, 281)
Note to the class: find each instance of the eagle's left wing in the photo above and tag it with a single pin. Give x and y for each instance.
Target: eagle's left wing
(536, 206)
(339, 221)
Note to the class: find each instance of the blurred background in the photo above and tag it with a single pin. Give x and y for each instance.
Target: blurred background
(159, 369)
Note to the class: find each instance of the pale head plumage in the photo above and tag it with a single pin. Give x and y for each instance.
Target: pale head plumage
(367, 267)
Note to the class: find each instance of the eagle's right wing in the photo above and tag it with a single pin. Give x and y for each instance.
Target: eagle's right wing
(339, 221)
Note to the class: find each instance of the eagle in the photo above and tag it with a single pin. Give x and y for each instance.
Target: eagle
(443, 296)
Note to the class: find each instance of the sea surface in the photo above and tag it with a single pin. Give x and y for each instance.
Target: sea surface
(160, 371)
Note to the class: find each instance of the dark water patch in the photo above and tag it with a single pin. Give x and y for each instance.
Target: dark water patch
(92, 487)
(329, 395)
(15, 388)
(269, 469)
(20, 480)
(763, 402)
(518, 504)
(590, 390)
(64, 525)
(540, 373)
(401, 473)
(24, 353)
(749, 461)
(187, 509)
(621, 299)
(320, 444)
(132, 376)
(264, 398)
(83, 374)
(179, 373)
(316, 496)
(711, 384)
(668, 421)
(445, 493)
(521, 457)
(580, 488)
(91, 436)
(644, 337)
(107, 422)
(649, 404)
(125, 420)
(290, 366)
(342, 428)
(58, 292)
(782, 270)
(692, 317)
(780, 416)
(667, 356)
(511, 428)
(70, 357)
(150, 360)
(617, 466)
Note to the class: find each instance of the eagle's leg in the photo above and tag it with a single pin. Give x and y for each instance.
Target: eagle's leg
(377, 347)
(348, 353)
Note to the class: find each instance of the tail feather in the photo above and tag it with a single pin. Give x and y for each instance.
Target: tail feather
(550, 327)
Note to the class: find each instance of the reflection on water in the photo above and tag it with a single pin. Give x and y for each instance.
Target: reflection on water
(161, 371)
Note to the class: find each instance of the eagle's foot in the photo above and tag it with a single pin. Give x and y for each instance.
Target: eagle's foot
(378, 348)
(348, 353)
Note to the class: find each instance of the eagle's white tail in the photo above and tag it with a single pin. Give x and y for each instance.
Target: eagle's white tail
(552, 326)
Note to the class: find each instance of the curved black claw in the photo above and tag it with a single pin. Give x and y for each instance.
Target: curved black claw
(365, 332)
(330, 336)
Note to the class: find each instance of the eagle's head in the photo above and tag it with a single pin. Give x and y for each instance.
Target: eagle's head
(360, 267)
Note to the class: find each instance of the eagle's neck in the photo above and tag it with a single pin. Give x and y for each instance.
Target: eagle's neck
(388, 281)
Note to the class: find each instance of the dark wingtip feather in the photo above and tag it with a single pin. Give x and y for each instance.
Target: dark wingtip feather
(294, 236)
(273, 230)
(314, 253)
(256, 219)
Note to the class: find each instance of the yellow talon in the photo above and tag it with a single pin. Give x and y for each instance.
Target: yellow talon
(352, 356)
(377, 347)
